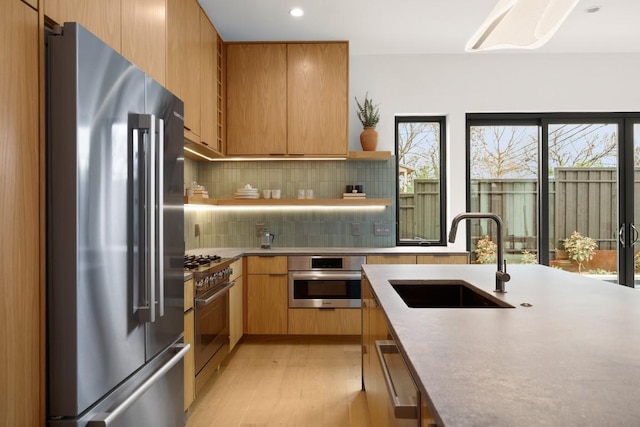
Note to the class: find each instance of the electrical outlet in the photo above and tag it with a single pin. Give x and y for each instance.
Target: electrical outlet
(197, 230)
(381, 229)
(355, 228)
(259, 228)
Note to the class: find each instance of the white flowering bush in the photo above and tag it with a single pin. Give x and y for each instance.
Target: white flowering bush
(580, 248)
(486, 251)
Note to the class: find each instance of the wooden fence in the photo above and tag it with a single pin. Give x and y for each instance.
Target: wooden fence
(580, 199)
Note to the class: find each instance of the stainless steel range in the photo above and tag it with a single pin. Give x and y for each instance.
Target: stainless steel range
(211, 275)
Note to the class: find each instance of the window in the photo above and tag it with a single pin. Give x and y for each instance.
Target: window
(421, 204)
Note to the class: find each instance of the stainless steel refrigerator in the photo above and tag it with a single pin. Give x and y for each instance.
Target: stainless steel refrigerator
(115, 242)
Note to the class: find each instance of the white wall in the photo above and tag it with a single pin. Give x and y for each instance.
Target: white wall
(454, 85)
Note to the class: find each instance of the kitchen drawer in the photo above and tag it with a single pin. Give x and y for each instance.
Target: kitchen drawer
(319, 321)
(267, 265)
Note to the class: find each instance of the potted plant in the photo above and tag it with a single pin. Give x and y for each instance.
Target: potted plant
(580, 248)
(369, 115)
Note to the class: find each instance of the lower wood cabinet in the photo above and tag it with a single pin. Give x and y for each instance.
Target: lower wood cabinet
(319, 321)
(391, 259)
(435, 258)
(462, 258)
(266, 304)
(189, 360)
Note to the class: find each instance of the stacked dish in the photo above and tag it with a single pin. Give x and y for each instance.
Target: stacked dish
(246, 193)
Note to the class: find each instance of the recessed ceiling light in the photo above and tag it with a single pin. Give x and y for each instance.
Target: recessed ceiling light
(296, 11)
(593, 9)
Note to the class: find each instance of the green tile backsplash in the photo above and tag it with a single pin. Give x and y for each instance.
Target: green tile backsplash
(327, 179)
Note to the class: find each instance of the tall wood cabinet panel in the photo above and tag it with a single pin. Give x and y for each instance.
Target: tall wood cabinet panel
(317, 98)
(183, 60)
(101, 17)
(189, 338)
(236, 305)
(256, 99)
(21, 288)
(208, 83)
(144, 35)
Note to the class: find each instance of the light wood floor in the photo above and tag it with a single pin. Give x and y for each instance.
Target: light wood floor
(286, 381)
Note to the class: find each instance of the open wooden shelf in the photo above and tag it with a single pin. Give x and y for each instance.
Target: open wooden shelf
(286, 202)
(369, 155)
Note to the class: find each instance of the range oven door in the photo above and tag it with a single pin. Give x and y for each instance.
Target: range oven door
(324, 289)
(211, 324)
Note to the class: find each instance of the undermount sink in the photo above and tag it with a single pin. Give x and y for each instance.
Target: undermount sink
(444, 294)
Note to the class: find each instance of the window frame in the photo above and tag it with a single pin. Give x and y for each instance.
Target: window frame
(442, 184)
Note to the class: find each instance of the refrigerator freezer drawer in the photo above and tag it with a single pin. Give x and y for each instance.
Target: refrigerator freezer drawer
(151, 398)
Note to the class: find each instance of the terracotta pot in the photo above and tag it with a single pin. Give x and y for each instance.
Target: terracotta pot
(369, 139)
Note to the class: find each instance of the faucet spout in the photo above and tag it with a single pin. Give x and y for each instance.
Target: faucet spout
(501, 274)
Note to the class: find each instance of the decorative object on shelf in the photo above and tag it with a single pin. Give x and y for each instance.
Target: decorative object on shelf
(369, 115)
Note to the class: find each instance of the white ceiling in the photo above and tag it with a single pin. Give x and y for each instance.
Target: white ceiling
(416, 26)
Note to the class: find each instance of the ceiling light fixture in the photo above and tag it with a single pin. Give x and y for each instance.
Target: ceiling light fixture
(525, 24)
(593, 9)
(296, 11)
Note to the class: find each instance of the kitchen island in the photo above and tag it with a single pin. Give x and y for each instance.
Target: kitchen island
(570, 358)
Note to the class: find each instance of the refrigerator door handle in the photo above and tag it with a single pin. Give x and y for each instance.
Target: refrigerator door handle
(106, 418)
(145, 211)
(159, 177)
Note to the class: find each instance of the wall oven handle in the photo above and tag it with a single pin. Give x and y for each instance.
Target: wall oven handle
(403, 408)
(203, 302)
(105, 419)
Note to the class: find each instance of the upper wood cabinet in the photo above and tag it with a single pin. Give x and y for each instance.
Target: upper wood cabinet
(208, 83)
(317, 98)
(287, 99)
(22, 331)
(101, 17)
(144, 36)
(183, 60)
(256, 99)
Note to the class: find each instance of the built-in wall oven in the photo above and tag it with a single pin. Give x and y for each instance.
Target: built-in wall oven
(325, 281)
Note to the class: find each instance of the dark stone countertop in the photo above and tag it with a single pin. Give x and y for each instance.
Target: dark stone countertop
(571, 359)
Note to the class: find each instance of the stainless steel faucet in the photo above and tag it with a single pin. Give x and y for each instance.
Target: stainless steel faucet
(501, 275)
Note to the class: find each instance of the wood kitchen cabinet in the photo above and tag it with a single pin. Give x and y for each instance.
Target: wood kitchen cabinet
(208, 84)
(256, 99)
(22, 329)
(317, 98)
(101, 17)
(189, 338)
(321, 321)
(267, 295)
(435, 258)
(144, 36)
(461, 258)
(287, 99)
(374, 327)
(183, 60)
(236, 304)
(391, 259)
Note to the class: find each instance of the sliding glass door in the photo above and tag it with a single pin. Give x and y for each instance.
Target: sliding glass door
(566, 185)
